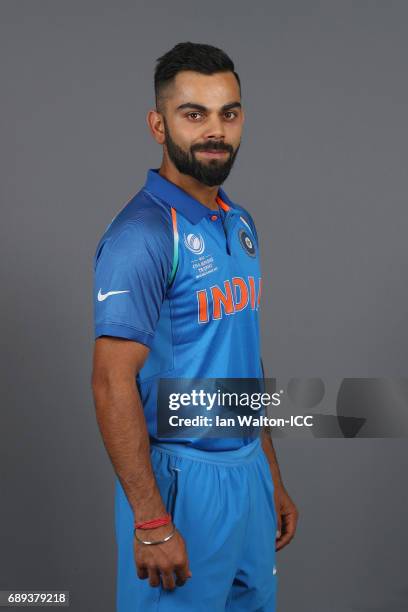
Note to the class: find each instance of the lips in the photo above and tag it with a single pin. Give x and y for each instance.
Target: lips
(213, 152)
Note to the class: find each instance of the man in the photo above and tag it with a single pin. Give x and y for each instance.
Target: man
(177, 295)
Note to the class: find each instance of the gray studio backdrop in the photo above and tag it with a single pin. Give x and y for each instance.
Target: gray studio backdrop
(322, 168)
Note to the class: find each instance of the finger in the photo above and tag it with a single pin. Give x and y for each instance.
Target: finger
(183, 573)
(279, 530)
(283, 541)
(154, 579)
(168, 581)
(181, 581)
(142, 572)
(289, 523)
(288, 531)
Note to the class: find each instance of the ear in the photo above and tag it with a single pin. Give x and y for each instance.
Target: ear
(156, 125)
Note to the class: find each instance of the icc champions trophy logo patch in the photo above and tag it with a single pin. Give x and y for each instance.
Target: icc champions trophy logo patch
(194, 243)
(246, 243)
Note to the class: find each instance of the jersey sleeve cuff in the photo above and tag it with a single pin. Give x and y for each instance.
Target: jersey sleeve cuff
(120, 330)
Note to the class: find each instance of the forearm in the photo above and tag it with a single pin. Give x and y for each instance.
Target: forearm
(121, 420)
(271, 457)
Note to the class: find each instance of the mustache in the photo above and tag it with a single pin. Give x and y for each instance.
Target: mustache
(212, 146)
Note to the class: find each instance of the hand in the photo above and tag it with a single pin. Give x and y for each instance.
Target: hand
(287, 515)
(157, 561)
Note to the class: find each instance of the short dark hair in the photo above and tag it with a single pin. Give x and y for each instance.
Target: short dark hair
(190, 56)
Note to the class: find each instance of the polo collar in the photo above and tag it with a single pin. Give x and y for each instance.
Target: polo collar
(173, 195)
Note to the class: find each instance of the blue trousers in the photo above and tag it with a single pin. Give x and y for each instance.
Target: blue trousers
(222, 504)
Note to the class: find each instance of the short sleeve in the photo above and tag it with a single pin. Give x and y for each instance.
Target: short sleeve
(130, 281)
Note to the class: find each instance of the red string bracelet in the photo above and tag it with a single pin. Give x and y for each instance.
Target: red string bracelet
(158, 522)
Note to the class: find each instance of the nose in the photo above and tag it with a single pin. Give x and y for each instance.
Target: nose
(215, 129)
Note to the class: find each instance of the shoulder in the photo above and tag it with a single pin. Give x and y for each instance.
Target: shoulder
(143, 225)
(243, 212)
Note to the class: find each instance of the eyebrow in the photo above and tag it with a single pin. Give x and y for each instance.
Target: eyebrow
(200, 107)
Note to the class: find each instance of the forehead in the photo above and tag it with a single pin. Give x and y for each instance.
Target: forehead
(210, 90)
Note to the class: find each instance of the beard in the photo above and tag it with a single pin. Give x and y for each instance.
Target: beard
(211, 173)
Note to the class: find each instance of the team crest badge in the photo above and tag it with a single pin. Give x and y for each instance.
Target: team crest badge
(247, 243)
(194, 243)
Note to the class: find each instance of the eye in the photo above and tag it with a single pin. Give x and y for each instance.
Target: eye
(230, 115)
(194, 115)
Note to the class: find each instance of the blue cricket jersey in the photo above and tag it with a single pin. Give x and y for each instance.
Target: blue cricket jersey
(185, 281)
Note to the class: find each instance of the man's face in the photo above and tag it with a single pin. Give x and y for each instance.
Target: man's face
(203, 123)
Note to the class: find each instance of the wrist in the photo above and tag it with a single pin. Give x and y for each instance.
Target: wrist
(159, 533)
(155, 530)
(158, 521)
(157, 538)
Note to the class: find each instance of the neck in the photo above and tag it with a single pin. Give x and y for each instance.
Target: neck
(203, 193)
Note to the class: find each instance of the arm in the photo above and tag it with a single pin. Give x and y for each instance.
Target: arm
(286, 511)
(122, 424)
(121, 421)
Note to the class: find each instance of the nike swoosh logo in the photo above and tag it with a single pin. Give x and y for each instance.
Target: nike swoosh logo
(103, 296)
